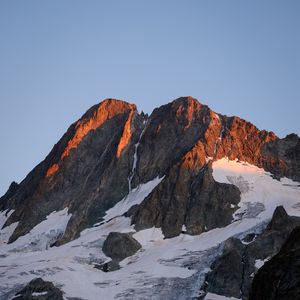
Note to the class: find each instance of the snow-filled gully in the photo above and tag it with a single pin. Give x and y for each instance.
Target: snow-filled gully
(135, 156)
(181, 260)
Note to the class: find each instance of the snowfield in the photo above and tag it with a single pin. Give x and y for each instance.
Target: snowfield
(164, 268)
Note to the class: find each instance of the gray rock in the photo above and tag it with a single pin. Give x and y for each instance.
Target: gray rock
(188, 197)
(233, 272)
(227, 271)
(279, 278)
(38, 289)
(120, 245)
(110, 266)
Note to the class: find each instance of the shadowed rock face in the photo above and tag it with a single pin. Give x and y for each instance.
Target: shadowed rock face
(227, 270)
(38, 289)
(90, 179)
(88, 169)
(232, 273)
(279, 278)
(193, 200)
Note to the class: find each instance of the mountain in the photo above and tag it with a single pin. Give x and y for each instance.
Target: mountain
(180, 204)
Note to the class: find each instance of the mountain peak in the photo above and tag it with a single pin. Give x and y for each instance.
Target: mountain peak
(186, 100)
(183, 170)
(115, 104)
(91, 120)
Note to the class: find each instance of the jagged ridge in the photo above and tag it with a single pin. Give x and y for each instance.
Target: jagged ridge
(97, 162)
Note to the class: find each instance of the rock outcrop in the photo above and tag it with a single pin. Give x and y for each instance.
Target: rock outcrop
(279, 278)
(188, 198)
(38, 289)
(232, 273)
(120, 245)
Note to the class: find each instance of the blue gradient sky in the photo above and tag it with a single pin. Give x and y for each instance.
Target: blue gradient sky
(57, 58)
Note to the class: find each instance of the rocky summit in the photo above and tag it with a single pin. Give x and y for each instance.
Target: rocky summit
(185, 203)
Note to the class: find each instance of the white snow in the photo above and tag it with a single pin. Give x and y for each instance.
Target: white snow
(211, 296)
(135, 157)
(135, 196)
(41, 236)
(260, 193)
(71, 265)
(4, 215)
(39, 294)
(260, 262)
(6, 232)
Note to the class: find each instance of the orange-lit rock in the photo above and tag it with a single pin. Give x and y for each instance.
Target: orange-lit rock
(53, 169)
(192, 108)
(188, 111)
(106, 110)
(125, 139)
(195, 159)
(212, 134)
(158, 128)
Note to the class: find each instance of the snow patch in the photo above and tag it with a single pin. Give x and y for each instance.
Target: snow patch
(6, 232)
(36, 294)
(135, 157)
(43, 235)
(135, 196)
(4, 215)
(211, 296)
(260, 262)
(146, 236)
(260, 193)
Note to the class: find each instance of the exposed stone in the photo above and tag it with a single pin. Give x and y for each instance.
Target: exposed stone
(279, 278)
(188, 198)
(249, 238)
(125, 138)
(38, 289)
(13, 188)
(120, 245)
(110, 266)
(286, 152)
(227, 272)
(232, 273)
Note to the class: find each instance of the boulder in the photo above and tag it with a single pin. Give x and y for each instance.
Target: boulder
(38, 289)
(120, 245)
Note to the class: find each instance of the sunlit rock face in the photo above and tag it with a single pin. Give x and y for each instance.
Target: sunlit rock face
(89, 169)
(107, 110)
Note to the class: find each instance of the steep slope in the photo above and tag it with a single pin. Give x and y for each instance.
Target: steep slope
(86, 171)
(279, 278)
(185, 173)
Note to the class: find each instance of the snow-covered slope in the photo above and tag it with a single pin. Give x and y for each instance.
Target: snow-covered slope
(164, 268)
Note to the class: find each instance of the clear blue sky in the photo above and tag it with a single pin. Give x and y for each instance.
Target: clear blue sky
(57, 58)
